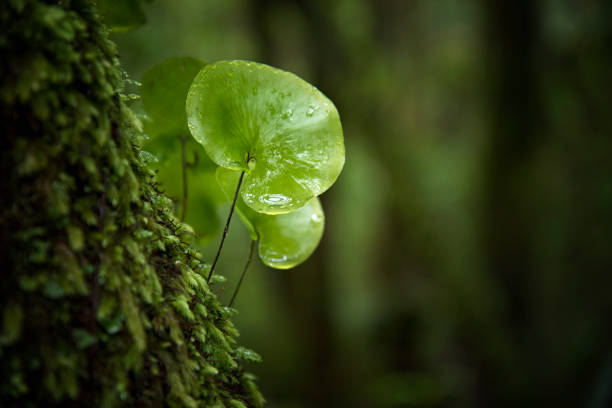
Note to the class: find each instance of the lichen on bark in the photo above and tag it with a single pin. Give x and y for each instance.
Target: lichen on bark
(102, 302)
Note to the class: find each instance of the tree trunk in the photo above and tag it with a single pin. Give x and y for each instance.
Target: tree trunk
(102, 302)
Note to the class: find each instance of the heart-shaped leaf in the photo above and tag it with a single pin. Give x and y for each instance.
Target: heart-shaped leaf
(164, 91)
(285, 240)
(283, 132)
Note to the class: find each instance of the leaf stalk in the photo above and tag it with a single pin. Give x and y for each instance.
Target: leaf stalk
(246, 266)
(226, 229)
(184, 167)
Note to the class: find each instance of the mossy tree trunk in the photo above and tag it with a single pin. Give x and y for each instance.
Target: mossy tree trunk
(102, 302)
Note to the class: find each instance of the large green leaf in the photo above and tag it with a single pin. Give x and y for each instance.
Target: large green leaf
(283, 132)
(285, 240)
(164, 91)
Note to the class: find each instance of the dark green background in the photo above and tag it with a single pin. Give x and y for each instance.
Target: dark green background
(467, 256)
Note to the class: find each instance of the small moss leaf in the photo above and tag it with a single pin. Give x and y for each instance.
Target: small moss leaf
(285, 240)
(283, 132)
(164, 90)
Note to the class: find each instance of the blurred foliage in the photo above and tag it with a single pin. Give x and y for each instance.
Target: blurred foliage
(122, 15)
(467, 256)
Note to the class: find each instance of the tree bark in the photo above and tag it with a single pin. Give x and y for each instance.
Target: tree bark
(102, 302)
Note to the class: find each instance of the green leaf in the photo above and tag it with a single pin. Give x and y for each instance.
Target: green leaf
(121, 15)
(285, 240)
(164, 90)
(204, 195)
(247, 355)
(283, 132)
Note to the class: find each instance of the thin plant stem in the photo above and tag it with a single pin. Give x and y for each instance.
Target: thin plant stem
(246, 266)
(184, 165)
(229, 218)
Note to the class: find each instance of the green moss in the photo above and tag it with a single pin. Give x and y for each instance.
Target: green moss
(102, 302)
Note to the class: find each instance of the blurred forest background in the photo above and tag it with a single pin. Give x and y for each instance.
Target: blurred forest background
(467, 256)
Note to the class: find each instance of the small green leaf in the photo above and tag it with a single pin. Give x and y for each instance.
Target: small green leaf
(164, 90)
(286, 240)
(204, 193)
(283, 132)
(247, 355)
(122, 15)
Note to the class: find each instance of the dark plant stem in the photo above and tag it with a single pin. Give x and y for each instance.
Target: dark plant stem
(184, 166)
(246, 266)
(229, 218)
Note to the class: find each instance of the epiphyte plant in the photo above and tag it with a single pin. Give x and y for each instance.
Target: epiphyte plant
(285, 240)
(281, 134)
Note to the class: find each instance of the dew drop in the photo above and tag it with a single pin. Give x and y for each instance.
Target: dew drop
(316, 218)
(311, 110)
(278, 259)
(288, 114)
(274, 199)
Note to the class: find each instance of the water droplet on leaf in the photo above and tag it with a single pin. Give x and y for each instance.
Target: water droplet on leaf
(275, 199)
(288, 114)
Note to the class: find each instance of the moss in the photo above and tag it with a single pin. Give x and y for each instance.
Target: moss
(103, 303)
